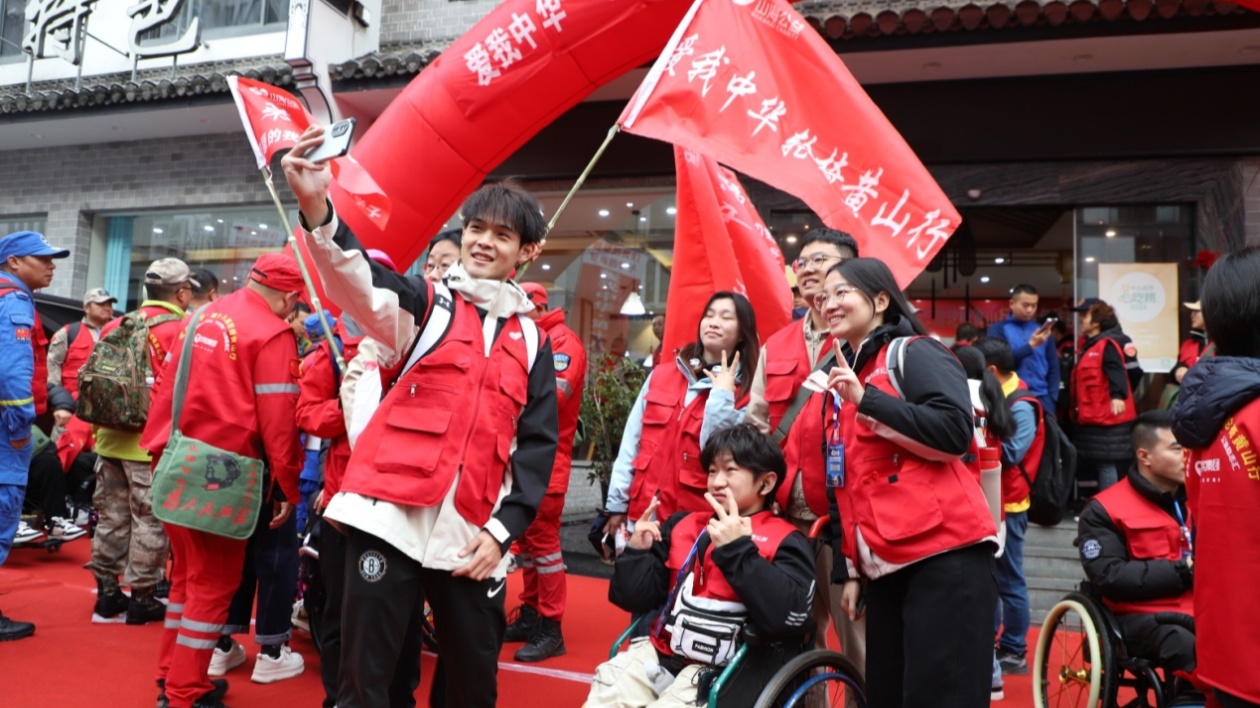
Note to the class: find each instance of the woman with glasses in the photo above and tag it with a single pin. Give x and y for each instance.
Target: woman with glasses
(680, 405)
(909, 516)
(443, 253)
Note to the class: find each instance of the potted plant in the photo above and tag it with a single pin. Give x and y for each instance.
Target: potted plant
(606, 403)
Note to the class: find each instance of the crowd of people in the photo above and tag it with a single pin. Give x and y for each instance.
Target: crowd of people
(823, 484)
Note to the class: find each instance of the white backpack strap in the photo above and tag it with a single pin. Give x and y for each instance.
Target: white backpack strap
(440, 316)
(530, 330)
(895, 361)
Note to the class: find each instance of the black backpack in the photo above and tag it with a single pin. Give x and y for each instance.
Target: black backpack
(1056, 475)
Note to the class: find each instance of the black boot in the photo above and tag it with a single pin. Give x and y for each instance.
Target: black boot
(522, 628)
(145, 607)
(219, 690)
(12, 629)
(110, 601)
(545, 643)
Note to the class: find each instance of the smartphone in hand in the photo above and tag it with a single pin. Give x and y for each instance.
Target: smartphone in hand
(336, 141)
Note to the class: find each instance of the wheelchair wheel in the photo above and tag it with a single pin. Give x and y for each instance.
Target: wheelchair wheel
(820, 677)
(1074, 664)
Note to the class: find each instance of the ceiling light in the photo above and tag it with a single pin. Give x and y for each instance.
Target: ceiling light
(603, 275)
(262, 226)
(1111, 233)
(208, 227)
(671, 211)
(633, 305)
(984, 278)
(219, 220)
(999, 260)
(625, 265)
(603, 212)
(642, 219)
(546, 266)
(791, 238)
(629, 205)
(807, 227)
(1089, 259)
(156, 230)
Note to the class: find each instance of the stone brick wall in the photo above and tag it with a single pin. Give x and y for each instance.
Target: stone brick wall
(73, 185)
(414, 21)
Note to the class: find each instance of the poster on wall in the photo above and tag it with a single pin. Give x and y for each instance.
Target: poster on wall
(1145, 298)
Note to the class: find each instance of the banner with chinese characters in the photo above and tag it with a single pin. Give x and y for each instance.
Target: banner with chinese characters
(1145, 298)
(720, 243)
(749, 83)
(518, 69)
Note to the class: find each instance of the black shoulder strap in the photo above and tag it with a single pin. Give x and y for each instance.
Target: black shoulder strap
(802, 395)
(73, 331)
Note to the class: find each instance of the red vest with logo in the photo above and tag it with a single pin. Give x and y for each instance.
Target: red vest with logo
(1014, 487)
(907, 507)
(768, 531)
(1223, 488)
(568, 352)
(77, 353)
(453, 413)
(1150, 533)
(1091, 391)
(787, 365)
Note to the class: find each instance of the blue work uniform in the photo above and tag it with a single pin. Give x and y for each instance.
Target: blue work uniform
(17, 403)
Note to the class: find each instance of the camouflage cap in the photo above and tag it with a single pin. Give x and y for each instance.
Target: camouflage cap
(98, 296)
(169, 271)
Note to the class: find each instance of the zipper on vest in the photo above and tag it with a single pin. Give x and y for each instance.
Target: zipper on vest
(413, 390)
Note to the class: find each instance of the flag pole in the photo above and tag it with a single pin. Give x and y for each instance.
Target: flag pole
(306, 274)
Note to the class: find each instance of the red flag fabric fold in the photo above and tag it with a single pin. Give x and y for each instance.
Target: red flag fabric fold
(720, 243)
(751, 84)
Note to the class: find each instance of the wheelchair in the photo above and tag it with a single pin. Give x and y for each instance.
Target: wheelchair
(1082, 660)
(812, 679)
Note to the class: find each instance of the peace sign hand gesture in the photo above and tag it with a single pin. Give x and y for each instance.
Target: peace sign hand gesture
(646, 530)
(726, 378)
(728, 525)
(844, 381)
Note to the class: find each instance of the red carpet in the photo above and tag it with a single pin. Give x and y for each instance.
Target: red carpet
(72, 662)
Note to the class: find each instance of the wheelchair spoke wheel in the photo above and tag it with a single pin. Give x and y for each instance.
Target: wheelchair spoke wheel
(1073, 657)
(814, 679)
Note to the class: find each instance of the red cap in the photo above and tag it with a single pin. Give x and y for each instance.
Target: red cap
(279, 271)
(537, 294)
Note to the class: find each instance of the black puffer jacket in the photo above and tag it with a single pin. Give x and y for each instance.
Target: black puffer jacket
(1111, 443)
(1202, 409)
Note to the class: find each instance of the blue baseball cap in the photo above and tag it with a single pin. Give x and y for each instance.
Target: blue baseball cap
(28, 243)
(313, 326)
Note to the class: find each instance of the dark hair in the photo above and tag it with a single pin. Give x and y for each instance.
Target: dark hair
(160, 291)
(1231, 303)
(997, 412)
(1103, 315)
(302, 307)
(507, 204)
(455, 236)
(1023, 289)
(966, 332)
(1147, 426)
(871, 277)
(846, 244)
(749, 449)
(748, 345)
(997, 353)
(206, 281)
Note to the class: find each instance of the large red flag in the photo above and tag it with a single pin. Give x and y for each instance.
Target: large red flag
(274, 120)
(523, 65)
(751, 84)
(720, 243)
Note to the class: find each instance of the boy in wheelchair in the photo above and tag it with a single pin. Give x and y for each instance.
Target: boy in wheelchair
(1137, 549)
(709, 573)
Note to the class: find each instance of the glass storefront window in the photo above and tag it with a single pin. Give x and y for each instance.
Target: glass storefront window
(12, 26)
(226, 241)
(223, 18)
(35, 222)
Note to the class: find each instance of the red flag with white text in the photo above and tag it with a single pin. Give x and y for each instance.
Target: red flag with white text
(274, 120)
(720, 243)
(750, 83)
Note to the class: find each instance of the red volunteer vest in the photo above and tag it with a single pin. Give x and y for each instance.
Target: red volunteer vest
(1223, 486)
(768, 532)
(77, 353)
(908, 508)
(1014, 487)
(569, 354)
(1150, 533)
(453, 413)
(1090, 389)
(787, 365)
(39, 347)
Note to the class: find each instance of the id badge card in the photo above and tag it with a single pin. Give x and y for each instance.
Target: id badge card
(835, 464)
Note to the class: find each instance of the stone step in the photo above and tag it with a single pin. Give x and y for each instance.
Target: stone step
(1039, 551)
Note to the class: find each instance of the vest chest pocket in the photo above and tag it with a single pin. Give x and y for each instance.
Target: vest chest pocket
(780, 381)
(904, 504)
(1149, 540)
(414, 440)
(659, 408)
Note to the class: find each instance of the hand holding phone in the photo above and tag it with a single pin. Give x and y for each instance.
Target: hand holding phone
(336, 141)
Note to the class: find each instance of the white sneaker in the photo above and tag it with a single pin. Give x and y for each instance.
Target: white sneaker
(299, 618)
(26, 533)
(269, 670)
(224, 661)
(82, 517)
(65, 529)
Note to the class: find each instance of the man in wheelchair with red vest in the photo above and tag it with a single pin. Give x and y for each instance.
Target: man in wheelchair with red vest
(1138, 551)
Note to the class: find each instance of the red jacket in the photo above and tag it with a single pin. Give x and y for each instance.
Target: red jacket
(1150, 533)
(77, 353)
(768, 532)
(787, 365)
(39, 384)
(1090, 389)
(242, 390)
(432, 426)
(1014, 486)
(907, 507)
(570, 360)
(319, 411)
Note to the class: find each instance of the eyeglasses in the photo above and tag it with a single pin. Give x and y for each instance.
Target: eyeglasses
(838, 293)
(816, 261)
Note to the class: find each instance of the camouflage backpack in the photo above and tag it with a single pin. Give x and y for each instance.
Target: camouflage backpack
(114, 383)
